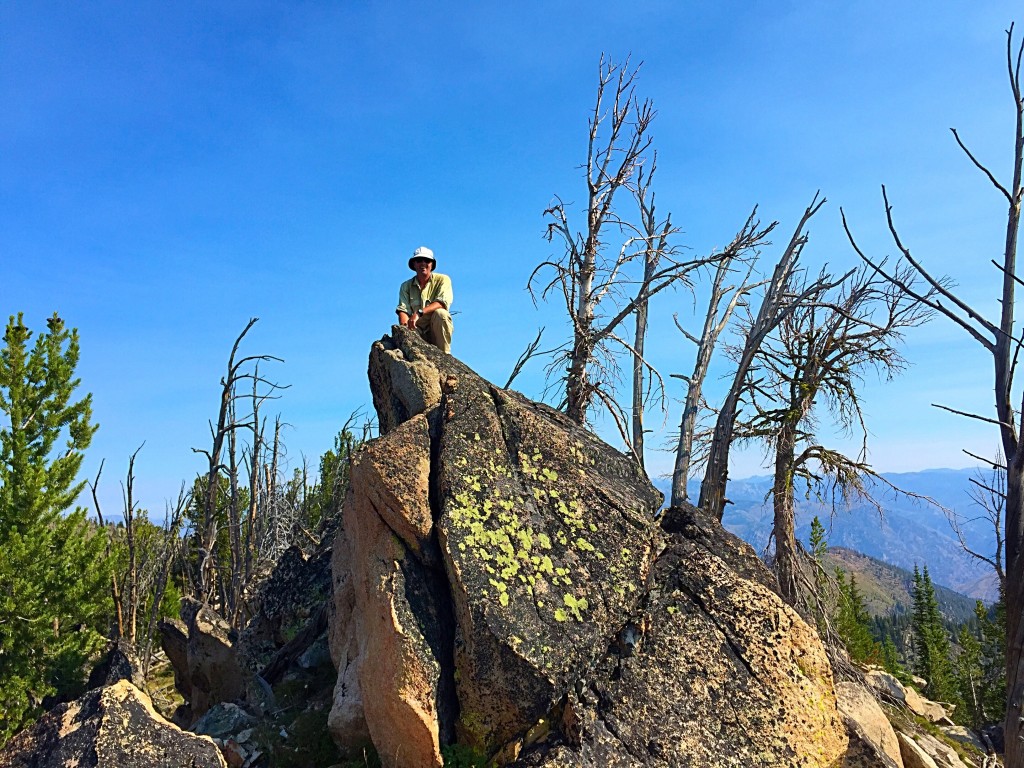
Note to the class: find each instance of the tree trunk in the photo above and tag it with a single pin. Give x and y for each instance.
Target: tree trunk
(775, 307)
(684, 451)
(784, 528)
(1014, 612)
(638, 377)
(716, 474)
(688, 422)
(577, 387)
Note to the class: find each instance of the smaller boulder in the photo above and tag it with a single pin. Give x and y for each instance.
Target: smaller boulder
(963, 735)
(891, 689)
(207, 668)
(887, 686)
(926, 708)
(873, 740)
(121, 663)
(212, 661)
(174, 641)
(943, 754)
(317, 655)
(111, 726)
(913, 754)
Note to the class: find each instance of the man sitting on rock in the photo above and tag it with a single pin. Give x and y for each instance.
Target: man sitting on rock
(424, 301)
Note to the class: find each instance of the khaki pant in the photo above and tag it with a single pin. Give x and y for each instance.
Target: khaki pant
(436, 328)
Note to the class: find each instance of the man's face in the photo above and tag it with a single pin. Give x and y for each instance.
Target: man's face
(422, 267)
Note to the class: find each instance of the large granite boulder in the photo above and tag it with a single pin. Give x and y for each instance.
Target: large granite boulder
(108, 727)
(500, 579)
(548, 537)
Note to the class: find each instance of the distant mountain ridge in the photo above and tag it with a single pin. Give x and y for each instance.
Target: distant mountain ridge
(887, 588)
(908, 532)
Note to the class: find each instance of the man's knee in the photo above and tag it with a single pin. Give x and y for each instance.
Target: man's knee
(441, 316)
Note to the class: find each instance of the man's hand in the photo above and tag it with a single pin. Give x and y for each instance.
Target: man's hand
(411, 322)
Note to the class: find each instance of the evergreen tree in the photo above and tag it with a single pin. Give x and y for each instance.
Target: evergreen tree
(918, 624)
(930, 641)
(980, 667)
(328, 492)
(817, 540)
(891, 660)
(853, 623)
(968, 670)
(818, 549)
(53, 596)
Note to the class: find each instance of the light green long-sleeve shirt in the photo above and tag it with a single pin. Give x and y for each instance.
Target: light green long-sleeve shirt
(411, 297)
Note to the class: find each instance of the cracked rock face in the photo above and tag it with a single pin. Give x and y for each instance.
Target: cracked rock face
(501, 579)
(112, 726)
(715, 671)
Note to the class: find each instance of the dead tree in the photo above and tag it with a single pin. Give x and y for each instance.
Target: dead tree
(988, 492)
(132, 590)
(1002, 342)
(125, 589)
(150, 551)
(209, 583)
(165, 559)
(747, 240)
(817, 356)
(593, 279)
(115, 586)
(655, 243)
(777, 303)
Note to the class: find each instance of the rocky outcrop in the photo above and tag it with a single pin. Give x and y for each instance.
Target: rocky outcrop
(111, 726)
(501, 579)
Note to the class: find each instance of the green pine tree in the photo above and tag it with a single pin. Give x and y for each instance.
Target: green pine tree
(922, 631)
(980, 667)
(930, 642)
(968, 670)
(53, 597)
(818, 540)
(853, 623)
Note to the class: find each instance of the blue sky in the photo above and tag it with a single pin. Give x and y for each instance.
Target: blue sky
(168, 170)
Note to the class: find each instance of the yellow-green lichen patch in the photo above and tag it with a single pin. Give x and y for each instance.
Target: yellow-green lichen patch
(527, 525)
(576, 605)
